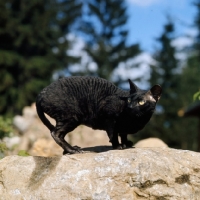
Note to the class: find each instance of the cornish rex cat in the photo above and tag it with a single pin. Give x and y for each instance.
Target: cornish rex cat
(96, 103)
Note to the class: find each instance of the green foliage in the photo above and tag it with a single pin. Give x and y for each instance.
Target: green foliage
(23, 153)
(5, 127)
(5, 130)
(33, 45)
(106, 33)
(3, 149)
(190, 83)
(196, 96)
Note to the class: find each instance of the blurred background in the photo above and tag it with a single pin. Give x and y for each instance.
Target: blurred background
(150, 42)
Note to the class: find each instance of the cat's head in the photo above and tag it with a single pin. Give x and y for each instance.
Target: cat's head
(141, 102)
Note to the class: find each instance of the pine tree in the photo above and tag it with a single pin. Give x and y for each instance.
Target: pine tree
(197, 25)
(190, 84)
(33, 45)
(178, 85)
(105, 31)
(164, 123)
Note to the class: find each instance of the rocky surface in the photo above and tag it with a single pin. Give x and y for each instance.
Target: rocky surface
(150, 142)
(137, 173)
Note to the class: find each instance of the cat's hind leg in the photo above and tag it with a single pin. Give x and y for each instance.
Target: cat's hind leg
(59, 133)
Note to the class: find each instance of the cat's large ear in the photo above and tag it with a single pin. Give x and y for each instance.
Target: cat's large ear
(133, 87)
(156, 91)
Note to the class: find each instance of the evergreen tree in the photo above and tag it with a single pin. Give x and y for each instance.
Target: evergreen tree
(32, 46)
(178, 90)
(105, 32)
(190, 84)
(197, 25)
(164, 123)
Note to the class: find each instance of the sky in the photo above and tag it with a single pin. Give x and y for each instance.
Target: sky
(146, 23)
(147, 18)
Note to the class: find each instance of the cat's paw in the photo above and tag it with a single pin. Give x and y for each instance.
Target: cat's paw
(76, 147)
(119, 147)
(128, 144)
(74, 150)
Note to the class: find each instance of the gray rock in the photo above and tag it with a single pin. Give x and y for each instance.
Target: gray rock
(21, 123)
(150, 142)
(12, 141)
(137, 173)
(29, 112)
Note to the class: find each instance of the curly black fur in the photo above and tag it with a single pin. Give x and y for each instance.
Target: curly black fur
(96, 103)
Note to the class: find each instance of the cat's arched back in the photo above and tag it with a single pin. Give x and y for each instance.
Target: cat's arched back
(96, 103)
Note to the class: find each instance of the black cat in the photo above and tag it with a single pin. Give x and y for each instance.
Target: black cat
(96, 103)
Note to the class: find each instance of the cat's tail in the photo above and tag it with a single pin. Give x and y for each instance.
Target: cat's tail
(42, 116)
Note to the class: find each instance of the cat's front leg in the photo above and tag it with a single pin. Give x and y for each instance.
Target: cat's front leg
(115, 141)
(125, 142)
(113, 136)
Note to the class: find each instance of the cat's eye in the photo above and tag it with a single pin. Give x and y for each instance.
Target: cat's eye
(141, 102)
(129, 100)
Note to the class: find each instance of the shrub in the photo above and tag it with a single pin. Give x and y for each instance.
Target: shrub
(23, 153)
(5, 127)
(3, 149)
